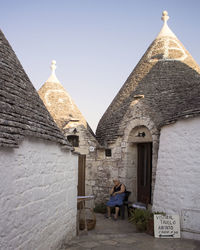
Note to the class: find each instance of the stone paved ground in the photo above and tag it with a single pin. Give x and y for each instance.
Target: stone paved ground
(109, 235)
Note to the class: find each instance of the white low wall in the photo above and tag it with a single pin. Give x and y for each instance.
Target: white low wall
(177, 189)
(38, 192)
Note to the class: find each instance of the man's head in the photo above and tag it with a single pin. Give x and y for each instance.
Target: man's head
(116, 181)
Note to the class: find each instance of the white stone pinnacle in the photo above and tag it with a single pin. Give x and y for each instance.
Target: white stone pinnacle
(53, 77)
(53, 67)
(165, 31)
(165, 16)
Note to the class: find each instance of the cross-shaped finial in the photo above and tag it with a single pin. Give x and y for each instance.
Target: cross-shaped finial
(165, 16)
(53, 67)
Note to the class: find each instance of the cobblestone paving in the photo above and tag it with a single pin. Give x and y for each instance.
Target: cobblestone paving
(109, 235)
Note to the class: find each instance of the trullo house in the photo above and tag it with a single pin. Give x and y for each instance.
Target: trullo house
(152, 128)
(38, 171)
(74, 126)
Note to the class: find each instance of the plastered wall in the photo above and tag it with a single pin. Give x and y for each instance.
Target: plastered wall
(38, 190)
(177, 185)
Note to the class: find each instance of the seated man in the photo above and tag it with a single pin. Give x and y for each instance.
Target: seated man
(117, 194)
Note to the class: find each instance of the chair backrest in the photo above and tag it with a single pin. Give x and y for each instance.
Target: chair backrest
(127, 194)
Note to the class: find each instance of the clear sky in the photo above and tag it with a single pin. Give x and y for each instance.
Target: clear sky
(96, 43)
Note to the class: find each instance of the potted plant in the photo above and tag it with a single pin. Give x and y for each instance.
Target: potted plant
(144, 220)
(139, 217)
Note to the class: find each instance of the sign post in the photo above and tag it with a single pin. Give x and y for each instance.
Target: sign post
(166, 226)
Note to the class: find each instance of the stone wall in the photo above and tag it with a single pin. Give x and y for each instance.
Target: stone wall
(100, 172)
(136, 121)
(38, 190)
(87, 146)
(123, 163)
(86, 139)
(177, 185)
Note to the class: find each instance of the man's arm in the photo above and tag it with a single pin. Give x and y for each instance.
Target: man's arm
(111, 191)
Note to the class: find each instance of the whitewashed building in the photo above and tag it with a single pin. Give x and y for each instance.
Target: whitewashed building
(38, 170)
(177, 188)
(152, 131)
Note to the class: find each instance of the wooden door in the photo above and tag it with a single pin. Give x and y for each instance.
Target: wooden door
(144, 172)
(81, 175)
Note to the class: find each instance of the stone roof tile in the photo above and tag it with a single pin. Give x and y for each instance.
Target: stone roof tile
(22, 112)
(169, 79)
(60, 104)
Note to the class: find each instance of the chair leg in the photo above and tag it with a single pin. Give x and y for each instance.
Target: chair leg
(128, 211)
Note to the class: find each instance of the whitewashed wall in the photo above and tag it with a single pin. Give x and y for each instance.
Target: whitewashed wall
(38, 190)
(177, 189)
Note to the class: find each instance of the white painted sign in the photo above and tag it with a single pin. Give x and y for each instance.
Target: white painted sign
(167, 226)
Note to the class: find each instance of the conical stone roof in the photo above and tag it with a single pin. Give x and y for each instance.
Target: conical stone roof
(22, 112)
(59, 103)
(168, 78)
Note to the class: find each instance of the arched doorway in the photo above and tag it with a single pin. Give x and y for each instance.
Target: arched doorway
(139, 164)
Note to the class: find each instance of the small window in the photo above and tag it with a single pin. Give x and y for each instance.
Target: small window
(74, 140)
(108, 152)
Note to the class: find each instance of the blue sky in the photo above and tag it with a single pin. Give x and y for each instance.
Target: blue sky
(96, 43)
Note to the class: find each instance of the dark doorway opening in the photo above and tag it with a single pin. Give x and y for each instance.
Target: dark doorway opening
(81, 175)
(144, 172)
